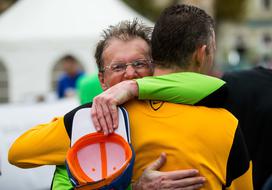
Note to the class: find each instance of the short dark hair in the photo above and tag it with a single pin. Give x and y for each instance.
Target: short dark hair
(125, 31)
(178, 32)
(69, 58)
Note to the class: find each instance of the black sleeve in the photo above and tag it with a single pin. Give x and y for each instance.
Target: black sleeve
(69, 117)
(217, 99)
(238, 161)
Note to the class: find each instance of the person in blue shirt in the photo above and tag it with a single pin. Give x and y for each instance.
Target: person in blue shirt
(66, 84)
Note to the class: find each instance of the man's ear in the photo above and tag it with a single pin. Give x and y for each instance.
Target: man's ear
(201, 54)
(102, 81)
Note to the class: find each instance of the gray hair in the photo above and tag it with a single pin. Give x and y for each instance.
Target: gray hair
(125, 31)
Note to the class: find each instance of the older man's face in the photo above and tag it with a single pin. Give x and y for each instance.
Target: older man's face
(133, 53)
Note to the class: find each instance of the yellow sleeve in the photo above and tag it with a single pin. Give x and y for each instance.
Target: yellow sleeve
(243, 182)
(45, 144)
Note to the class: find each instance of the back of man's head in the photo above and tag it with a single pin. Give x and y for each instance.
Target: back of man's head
(178, 32)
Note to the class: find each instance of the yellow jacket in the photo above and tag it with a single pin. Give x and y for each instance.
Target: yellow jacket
(45, 144)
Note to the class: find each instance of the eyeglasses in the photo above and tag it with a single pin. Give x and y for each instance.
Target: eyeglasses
(121, 67)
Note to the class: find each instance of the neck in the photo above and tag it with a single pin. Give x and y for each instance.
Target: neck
(163, 71)
(158, 71)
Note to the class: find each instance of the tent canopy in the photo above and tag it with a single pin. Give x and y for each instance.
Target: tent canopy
(38, 20)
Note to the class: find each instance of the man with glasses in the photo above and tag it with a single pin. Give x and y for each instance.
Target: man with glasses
(122, 54)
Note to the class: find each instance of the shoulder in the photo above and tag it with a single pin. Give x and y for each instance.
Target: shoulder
(63, 76)
(242, 75)
(135, 103)
(69, 117)
(222, 114)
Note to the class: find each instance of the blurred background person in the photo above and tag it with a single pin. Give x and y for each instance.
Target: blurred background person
(249, 99)
(88, 87)
(66, 85)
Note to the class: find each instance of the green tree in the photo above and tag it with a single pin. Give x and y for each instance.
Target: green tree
(148, 8)
(231, 10)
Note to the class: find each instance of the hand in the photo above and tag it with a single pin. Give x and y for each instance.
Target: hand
(104, 109)
(178, 180)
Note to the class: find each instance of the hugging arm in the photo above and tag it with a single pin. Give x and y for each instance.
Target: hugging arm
(40, 145)
(179, 179)
(185, 87)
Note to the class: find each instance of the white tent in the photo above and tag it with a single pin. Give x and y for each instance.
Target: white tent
(34, 34)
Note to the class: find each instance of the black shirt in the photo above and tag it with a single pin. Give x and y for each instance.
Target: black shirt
(250, 100)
